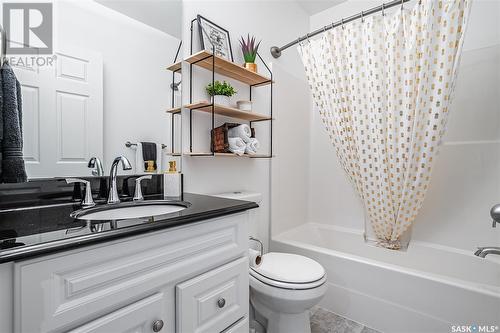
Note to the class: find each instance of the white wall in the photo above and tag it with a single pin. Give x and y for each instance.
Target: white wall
(274, 23)
(466, 177)
(136, 84)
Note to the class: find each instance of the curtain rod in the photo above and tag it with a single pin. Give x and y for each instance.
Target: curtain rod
(276, 51)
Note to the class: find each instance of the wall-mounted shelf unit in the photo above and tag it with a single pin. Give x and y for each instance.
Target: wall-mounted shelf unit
(174, 110)
(219, 65)
(222, 110)
(226, 155)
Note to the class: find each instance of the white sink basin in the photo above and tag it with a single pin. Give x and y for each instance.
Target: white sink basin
(128, 211)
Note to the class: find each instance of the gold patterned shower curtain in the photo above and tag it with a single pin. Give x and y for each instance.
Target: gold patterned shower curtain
(383, 87)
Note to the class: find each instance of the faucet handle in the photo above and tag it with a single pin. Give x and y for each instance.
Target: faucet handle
(87, 200)
(138, 190)
(495, 215)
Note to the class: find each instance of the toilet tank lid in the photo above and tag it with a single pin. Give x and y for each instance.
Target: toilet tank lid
(241, 195)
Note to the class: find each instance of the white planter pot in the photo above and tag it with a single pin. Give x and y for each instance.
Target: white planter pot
(221, 100)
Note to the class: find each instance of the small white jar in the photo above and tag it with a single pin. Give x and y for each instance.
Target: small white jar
(244, 105)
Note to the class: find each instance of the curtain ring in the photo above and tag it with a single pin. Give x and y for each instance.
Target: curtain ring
(342, 23)
(362, 16)
(383, 9)
(402, 4)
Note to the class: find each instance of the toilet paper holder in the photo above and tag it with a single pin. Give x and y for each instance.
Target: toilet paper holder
(261, 246)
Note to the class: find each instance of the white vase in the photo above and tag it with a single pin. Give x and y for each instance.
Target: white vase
(221, 100)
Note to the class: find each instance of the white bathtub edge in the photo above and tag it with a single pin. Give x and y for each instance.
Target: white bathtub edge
(431, 276)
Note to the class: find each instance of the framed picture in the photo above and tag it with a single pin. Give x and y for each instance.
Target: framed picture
(211, 33)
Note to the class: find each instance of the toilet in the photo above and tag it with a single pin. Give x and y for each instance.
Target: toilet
(284, 287)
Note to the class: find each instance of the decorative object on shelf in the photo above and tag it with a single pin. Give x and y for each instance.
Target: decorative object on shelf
(212, 35)
(220, 92)
(220, 138)
(244, 105)
(249, 49)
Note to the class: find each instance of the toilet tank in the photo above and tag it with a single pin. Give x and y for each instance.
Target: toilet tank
(256, 227)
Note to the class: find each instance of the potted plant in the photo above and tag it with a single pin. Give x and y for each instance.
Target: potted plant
(249, 49)
(220, 92)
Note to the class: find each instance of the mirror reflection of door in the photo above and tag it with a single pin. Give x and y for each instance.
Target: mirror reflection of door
(108, 86)
(62, 113)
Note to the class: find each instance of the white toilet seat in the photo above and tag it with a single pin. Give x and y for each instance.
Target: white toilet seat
(287, 285)
(289, 271)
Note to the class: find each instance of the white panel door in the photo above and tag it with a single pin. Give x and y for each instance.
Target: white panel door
(63, 114)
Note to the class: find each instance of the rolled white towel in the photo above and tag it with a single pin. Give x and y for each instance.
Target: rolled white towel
(237, 145)
(252, 146)
(242, 131)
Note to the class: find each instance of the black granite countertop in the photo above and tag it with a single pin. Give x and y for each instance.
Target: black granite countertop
(32, 231)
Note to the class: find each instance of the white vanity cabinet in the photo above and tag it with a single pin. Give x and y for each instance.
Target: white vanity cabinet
(191, 278)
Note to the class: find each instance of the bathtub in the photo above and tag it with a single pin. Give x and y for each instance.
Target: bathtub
(428, 288)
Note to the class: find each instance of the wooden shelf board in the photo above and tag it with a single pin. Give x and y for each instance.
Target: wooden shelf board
(175, 67)
(174, 110)
(205, 106)
(228, 68)
(227, 155)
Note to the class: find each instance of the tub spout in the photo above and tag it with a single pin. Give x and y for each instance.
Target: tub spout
(484, 251)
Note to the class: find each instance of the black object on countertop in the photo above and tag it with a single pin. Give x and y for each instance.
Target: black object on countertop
(43, 230)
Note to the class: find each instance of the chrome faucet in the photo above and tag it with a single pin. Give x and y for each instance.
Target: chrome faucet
(113, 191)
(96, 164)
(484, 251)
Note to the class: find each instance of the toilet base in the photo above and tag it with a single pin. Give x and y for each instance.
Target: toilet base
(281, 322)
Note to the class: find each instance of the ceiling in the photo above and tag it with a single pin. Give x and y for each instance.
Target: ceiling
(164, 15)
(312, 7)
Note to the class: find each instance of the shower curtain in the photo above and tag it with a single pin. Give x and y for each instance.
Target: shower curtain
(383, 87)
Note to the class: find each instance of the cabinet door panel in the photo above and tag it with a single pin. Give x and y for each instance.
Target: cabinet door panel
(213, 301)
(134, 318)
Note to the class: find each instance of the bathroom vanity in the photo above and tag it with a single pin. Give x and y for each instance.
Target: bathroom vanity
(187, 272)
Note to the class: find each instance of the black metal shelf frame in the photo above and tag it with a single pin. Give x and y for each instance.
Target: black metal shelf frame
(172, 87)
(212, 104)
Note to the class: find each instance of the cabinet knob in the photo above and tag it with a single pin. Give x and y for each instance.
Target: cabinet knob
(221, 302)
(157, 325)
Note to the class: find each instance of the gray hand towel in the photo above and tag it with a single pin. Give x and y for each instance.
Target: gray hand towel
(11, 139)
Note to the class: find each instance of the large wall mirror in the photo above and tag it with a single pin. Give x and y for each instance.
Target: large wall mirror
(108, 85)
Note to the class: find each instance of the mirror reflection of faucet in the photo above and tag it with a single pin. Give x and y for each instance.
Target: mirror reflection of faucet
(96, 165)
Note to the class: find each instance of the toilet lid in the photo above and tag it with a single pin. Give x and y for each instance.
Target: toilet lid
(289, 268)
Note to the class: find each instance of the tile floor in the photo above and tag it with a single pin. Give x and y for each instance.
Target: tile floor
(323, 321)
